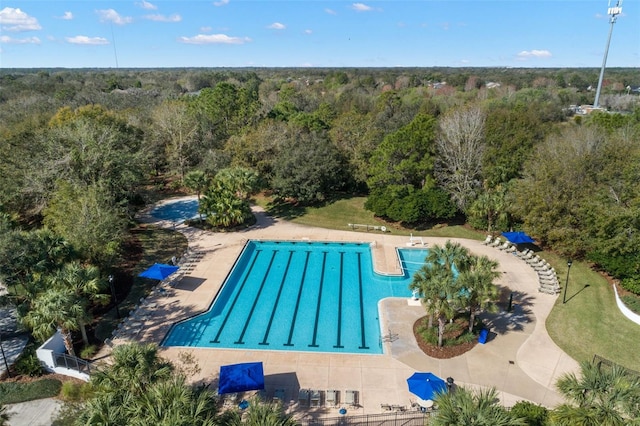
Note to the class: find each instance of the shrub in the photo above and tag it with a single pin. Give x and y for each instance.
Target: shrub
(88, 351)
(13, 392)
(73, 391)
(28, 363)
(631, 284)
(534, 414)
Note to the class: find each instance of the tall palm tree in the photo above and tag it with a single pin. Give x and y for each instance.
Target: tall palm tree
(57, 309)
(478, 288)
(600, 396)
(437, 285)
(86, 283)
(452, 255)
(466, 407)
(197, 180)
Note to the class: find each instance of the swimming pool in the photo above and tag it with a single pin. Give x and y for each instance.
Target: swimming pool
(176, 211)
(299, 296)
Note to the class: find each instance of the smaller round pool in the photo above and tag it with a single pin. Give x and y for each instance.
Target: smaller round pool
(177, 211)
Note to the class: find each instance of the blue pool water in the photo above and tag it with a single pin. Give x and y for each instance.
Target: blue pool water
(176, 211)
(299, 296)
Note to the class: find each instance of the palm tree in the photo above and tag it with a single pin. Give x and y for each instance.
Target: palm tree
(600, 396)
(437, 285)
(86, 283)
(134, 367)
(466, 407)
(243, 181)
(479, 290)
(57, 309)
(259, 413)
(223, 207)
(197, 180)
(172, 402)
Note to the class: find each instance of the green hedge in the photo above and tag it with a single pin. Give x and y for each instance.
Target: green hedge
(12, 392)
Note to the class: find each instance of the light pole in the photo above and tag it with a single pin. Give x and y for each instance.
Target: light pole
(113, 293)
(564, 296)
(4, 357)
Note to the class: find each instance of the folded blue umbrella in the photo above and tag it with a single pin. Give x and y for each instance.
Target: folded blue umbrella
(518, 237)
(159, 271)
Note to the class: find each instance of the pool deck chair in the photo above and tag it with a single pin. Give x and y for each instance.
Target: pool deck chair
(351, 398)
(316, 396)
(303, 397)
(332, 398)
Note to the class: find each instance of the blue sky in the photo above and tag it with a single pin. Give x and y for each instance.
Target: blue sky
(314, 33)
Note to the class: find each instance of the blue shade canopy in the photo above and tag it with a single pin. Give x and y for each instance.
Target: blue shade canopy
(158, 271)
(241, 377)
(518, 237)
(426, 385)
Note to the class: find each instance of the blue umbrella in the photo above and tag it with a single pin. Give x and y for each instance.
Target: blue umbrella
(159, 271)
(240, 377)
(426, 385)
(518, 237)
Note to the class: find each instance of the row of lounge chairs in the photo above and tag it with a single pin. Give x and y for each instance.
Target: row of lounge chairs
(318, 398)
(547, 278)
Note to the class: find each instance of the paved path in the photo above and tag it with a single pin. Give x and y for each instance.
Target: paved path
(520, 360)
(33, 413)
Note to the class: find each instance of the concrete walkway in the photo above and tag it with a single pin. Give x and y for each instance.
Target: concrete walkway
(41, 412)
(520, 359)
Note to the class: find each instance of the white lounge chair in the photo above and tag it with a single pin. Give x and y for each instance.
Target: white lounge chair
(487, 240)
(351, 398)
(332, 398)
(496, 242)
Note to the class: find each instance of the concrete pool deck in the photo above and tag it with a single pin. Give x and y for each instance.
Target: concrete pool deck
(520, 360)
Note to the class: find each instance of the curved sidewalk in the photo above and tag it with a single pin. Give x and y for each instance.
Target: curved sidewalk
(520, 359)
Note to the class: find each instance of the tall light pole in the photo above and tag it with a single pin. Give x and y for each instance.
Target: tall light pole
(564, 296)
(113, 294)
(613, 12)
(4, 357)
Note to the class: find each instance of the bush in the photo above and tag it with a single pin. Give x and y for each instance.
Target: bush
(71, 391)
(28, 363)
(631, 284)
(12, 392)
(88, 351)
(534, 414)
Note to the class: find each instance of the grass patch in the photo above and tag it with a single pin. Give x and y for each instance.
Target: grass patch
(14, 392)
(590, 323)
(340, 213)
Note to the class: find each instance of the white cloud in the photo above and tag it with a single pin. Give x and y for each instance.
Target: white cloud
(16, 20)
(67, 16)
(27, 40)
(214, 39)
(110, 15)
(331, 11)
(361, 7)
(163, 18)
(277, 26)
(308, 31)
(220, 3)
(95, 41)
(146, 5)
(525, 54)
(206, 29)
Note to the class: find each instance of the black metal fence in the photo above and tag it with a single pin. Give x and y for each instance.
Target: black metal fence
(73, 363)
(399, 418)
(597, 359)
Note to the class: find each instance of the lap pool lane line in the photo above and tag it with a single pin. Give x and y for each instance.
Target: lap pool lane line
(314, 343)
(256, 299)
(295, 312)
(362, 329)
(235, 299)
(338, 344)
(275, 303)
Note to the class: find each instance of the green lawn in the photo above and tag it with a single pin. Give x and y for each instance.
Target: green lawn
(590, 323)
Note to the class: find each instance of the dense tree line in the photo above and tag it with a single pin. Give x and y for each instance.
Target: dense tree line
(498, 148)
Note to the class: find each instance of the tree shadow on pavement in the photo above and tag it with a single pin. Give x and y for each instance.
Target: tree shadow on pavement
(516, 319)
